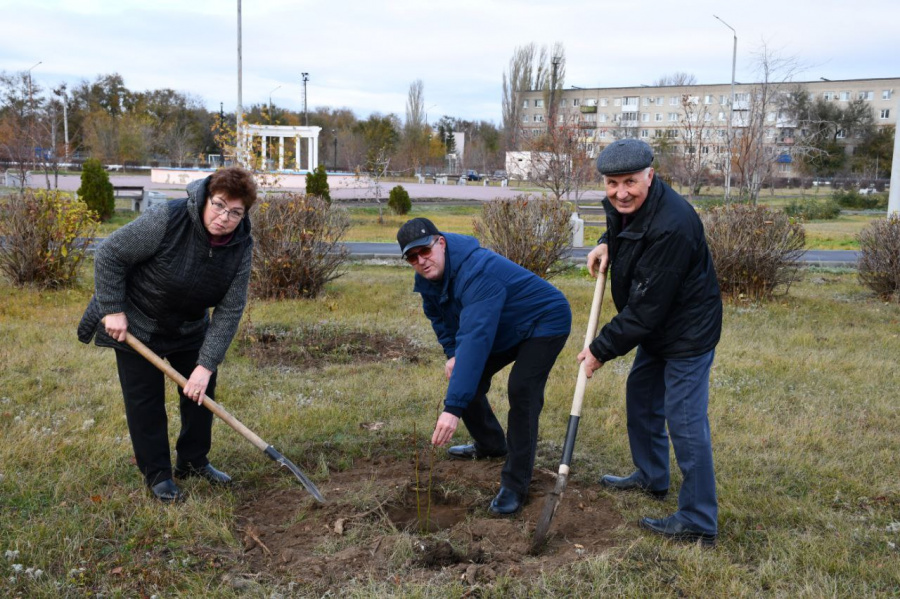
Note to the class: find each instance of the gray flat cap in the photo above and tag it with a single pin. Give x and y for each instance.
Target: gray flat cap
(624, 156)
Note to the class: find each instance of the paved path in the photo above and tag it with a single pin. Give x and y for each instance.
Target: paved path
(417, 191)
(811, 257)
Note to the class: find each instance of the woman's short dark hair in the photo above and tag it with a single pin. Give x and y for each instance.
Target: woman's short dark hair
(235, 183)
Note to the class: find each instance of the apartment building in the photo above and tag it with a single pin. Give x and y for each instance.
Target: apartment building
(700, 113)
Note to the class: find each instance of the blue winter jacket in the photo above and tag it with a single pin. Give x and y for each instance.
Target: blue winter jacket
(486, 304)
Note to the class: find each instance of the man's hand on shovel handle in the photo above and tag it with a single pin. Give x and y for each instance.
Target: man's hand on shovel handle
(598, 260)
(196, 385)
(444, 429)
(590, 362)
(116, 326)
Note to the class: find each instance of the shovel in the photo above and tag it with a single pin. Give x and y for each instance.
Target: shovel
(224, 415)
(562, 478)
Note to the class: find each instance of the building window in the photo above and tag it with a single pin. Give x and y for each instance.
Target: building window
(707, 117)
(742, 97)
(631, 101)
(590, 118)
(646, 101)
(722, 99)
(525, 118)
(673, 117)
(704, 149)
(630, 117)
(866, 95)
(828, 96)
(660, 100)
(671, 133)
(562, 102)
(603, 102)
(602, 134)
(603, 117)
(721, 116)
(659, 117)
(560, 118)
(538, 103)
(845, 96)
(617, 102)
(525, 104)
(841, 134)
(645, 117)
(886, 94)
(673, 101)
(770, 116)
(645, 133)
(885, 113)
(538, 118)
(708, 99)
(591, 102)
(575, 101)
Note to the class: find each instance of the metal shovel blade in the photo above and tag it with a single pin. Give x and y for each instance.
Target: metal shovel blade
(550, 506)
(276, 456)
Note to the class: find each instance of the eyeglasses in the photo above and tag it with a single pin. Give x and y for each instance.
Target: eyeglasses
(413, 258)
(219, 209)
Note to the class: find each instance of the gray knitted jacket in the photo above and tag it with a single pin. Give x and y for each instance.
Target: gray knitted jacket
(162, 272)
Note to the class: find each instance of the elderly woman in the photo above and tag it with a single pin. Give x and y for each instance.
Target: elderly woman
(157, 278)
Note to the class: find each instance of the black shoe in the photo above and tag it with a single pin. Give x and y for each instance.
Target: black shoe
(167, 492)
(215, 477)
(506, 503)
(632, 482)
(470, 452)
(675, 530)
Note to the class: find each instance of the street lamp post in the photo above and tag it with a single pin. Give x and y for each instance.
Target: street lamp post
(31, 121)
(305, 115)
(240, 108)
(334, 138)
(270, 103)
(731, 112)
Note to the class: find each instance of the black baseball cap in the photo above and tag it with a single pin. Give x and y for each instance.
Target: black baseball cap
(415, 233)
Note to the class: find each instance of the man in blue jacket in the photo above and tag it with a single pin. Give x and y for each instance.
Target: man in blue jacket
(488, 312)
(664, 286)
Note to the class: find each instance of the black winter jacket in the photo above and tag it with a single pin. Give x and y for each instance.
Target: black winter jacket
(163, 273)
(663, 281)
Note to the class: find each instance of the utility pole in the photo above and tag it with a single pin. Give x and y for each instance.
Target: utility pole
(552, 110)
(334, 137)
(305, 115)
(240, 107)
(731, 113)
(31, 120)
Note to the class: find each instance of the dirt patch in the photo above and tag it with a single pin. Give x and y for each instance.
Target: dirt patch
(378, 524)
(316, 345)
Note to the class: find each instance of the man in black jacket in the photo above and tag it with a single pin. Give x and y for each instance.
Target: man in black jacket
(665, 290)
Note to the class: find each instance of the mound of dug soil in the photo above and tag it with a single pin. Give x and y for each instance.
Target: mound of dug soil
(379, 524)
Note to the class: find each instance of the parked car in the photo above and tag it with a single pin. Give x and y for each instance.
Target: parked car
(498, 175)
(472, 175)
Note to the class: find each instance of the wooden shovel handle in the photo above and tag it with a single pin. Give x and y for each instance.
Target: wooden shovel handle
(596, 304)
(208, 403)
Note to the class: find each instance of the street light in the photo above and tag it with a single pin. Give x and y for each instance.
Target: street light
(270, 103)
(731, 113)
(31, 103)
(334, 137)
(305, 115)
(426, 112)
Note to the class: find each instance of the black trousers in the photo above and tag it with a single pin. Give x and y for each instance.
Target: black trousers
(143, 387)
(534, 358)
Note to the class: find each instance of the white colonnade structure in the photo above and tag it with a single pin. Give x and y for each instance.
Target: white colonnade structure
(282, 132)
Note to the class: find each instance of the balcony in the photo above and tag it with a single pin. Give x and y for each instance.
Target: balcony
(588, 109)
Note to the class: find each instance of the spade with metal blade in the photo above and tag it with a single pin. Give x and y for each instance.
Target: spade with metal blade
(222, 413)
(562, 478)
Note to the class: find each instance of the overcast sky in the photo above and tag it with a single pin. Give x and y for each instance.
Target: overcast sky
(364, 54)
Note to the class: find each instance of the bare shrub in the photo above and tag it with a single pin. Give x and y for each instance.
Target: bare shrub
(296, 250)
(756, 250)
(534, 233)
(879, 257)
(44, 236)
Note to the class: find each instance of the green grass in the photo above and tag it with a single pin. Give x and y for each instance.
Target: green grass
(803, 412)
